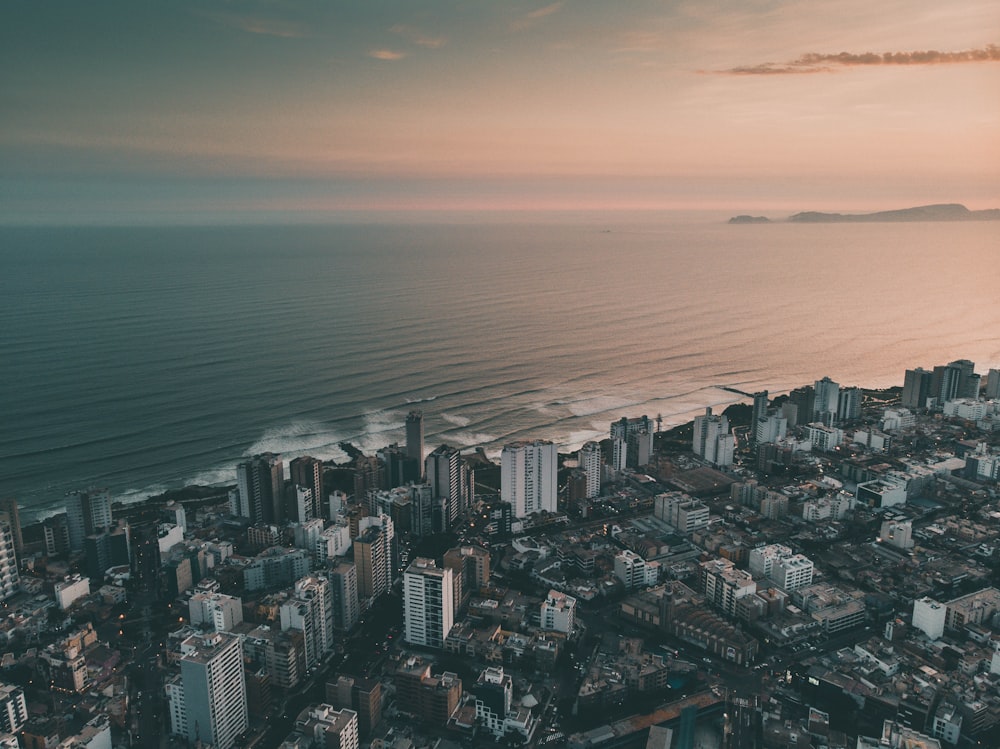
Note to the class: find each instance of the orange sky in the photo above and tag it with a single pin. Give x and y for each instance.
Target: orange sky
(325, 106)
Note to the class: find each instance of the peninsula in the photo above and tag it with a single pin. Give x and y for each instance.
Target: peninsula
(936, 212)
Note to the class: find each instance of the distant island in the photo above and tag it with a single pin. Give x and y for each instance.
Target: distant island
(938, 212)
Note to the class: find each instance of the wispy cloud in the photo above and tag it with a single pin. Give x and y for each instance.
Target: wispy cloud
(824, 63)
(535, 16)
(390, 55)
(260, 25)
(418, 37)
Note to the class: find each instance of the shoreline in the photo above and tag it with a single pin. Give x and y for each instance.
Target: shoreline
(204, 494)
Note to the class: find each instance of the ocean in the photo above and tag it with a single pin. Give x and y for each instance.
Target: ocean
(145, 358)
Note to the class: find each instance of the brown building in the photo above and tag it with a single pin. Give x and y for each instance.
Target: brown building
(360, 694)
(433, 698)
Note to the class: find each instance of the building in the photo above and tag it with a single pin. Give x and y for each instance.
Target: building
(761, 402)
(373, 556)
(428, 603)
(415, 436)
(558, 612)
(209, 703)
(849, 404)
(433, 698)
(631, 442)
(929, 617)
(448, 476)
(324, 727)
(591, 460)
(898, 533)
(494, 693)
(260, 483)
(792, 572)
(681, 511)
(308, 472)
(274, 568)
(310, 611)
(215, 611)
(87, 512)
(10, 579)
(993, 385)
(528, 477)
(362, 695)
(712, 440)
(762, 559)
(13, 708)
(344, 595)
(916, 388)
(880, 493)
(974, 608)
(10, 515)
(300, 504)
(634, 571)
(470, 566)
(822, 437)
(724, 585)
(70, 590)
(826, 400)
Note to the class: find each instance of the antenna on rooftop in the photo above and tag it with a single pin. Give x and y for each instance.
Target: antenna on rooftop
(659, 422)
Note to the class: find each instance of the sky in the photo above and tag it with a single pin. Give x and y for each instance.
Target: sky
(118, 111)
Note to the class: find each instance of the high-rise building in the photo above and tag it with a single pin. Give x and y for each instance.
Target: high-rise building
(993, 384)
(261, 483)
(12, 516)
(373, 556)
(470, 566)
(216, 611)
(448, 476)
(415, 436)
(558, 612)
(428, 603)
(344, 595)
(712, 439)
(827, 400)
(300, 504)
(803, 400)
(760, 405)
(397, 467)
(10, 579)
(632, 442)
(916, 388)
(86, 513)
(308, 472)
(361, 694)
(310, 612)
(528, 477)
(209, 702)
(13, 709)
(849, 404)
(591, 460)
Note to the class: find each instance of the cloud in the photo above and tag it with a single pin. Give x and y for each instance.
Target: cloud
(386, 54)
(260, 25)
(530, 19)
(824, 63)
(418, 37)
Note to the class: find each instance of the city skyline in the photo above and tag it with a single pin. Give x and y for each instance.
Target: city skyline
(198, 112)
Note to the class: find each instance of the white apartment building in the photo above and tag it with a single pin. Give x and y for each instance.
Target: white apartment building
(209, 701)
(898, 533)
(792, 572)
(724, 585)
(762, 559)
(311, 613)
(712, 439)
(680, 511)
(823, 438)
(634, 571)
(217, 610)
(13, 708)
(428, 603)
(10, 580)
(528, 477)
(591, 460)
(929, 617)
(558, 612)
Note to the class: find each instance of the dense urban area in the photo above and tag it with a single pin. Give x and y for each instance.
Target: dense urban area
(817, 569)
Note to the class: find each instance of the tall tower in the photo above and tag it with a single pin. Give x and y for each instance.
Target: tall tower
(916, 388)
(307, 471)
(448, 477)
(311, 613)
(10, 580)
(87, 513)
(344, 595)
(213, 689)
(528, 477)
(760, 404)
(415, 436)
(10, 514)
(827, 401)
(373, 556)
(590, 462)
(428, 603)
(712, 440)
(261, 483)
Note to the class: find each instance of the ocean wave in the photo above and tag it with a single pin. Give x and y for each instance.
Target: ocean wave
(455, 419)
